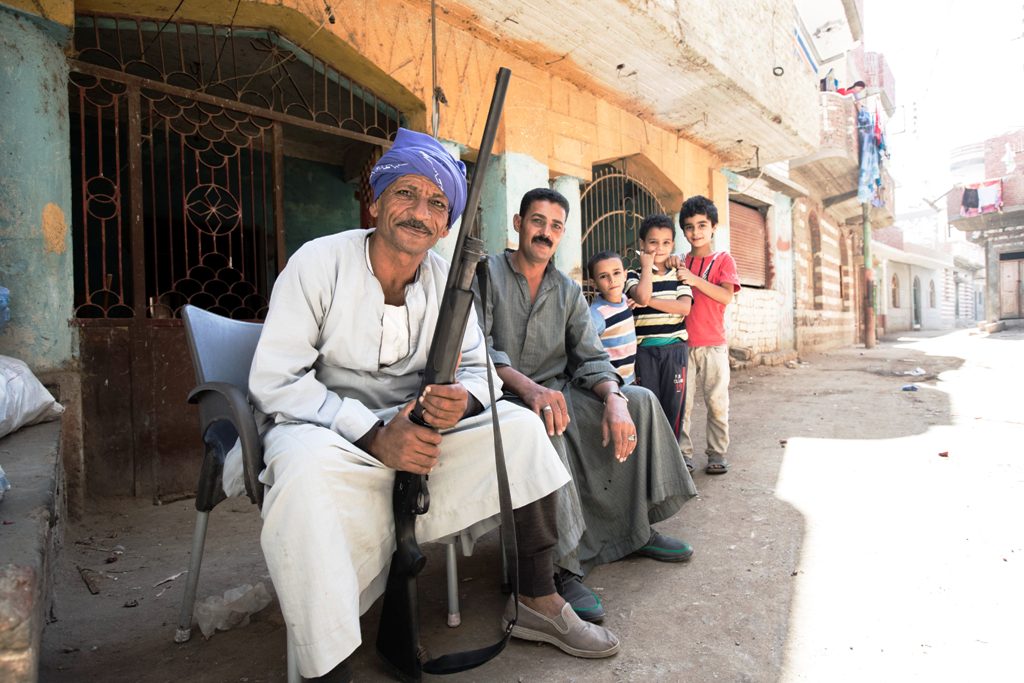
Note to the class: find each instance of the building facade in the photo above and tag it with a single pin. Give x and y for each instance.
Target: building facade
(161, 153)
(987, 204)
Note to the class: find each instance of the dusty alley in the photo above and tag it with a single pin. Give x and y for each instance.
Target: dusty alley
(864, 533)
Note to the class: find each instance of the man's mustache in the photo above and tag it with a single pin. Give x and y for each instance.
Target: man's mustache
(543, 240)
(414, 224)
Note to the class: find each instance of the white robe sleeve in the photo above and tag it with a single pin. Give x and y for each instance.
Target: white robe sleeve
(282, 382)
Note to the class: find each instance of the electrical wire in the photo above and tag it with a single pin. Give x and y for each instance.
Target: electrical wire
(161, 30)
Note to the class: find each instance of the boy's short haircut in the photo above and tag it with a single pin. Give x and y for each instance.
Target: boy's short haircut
(602, 256)
(699, 205)
(860, 83)
(656, 220)
(542, 194)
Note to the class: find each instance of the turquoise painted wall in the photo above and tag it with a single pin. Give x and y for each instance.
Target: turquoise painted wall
(509, 177)
(317, 202)
(35, 192)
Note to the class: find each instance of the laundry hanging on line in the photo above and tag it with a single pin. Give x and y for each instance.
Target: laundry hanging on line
(871, 141)
(983, 197)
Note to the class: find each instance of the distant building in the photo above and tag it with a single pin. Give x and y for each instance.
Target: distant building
(987, 204)
(156, 158)
(796, 225)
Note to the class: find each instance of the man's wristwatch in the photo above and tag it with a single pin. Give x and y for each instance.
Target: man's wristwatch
(615, 391)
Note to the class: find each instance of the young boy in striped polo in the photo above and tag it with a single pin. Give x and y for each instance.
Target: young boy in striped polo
(662, 304)
(613, 318)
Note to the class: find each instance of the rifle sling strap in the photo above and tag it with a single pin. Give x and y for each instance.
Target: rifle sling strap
(463, 661)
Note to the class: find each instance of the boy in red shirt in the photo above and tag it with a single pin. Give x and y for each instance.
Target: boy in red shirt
(713, 279)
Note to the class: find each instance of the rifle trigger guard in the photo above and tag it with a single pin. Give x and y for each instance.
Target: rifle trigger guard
(422, 502)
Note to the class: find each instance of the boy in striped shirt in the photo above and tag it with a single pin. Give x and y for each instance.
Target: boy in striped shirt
(662, 304)
(611, 313)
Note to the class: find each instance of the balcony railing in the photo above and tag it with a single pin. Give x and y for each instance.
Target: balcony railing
(832, 168)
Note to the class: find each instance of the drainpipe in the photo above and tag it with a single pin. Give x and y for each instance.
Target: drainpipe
(869, 281)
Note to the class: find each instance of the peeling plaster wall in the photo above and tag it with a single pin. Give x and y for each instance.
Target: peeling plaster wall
(35, 192)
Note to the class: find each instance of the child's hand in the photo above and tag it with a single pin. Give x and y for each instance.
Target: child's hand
(632, 304)
(675, 261)
(646, 262)
(685, 275)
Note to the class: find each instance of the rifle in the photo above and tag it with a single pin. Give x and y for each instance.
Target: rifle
(398, 632)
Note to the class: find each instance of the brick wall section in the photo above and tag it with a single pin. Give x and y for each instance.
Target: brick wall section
(1013, 189)
(995, 154)
(839, 124)
(752, 321)
(877, 74)
(825, 287)
(996, 167)
(947, 298)
(1013, 194)
(891, 235)
(966, 314)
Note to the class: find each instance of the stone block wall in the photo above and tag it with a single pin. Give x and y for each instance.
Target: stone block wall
(754, 319)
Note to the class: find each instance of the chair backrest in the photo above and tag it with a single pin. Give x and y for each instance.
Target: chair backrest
(222, 348)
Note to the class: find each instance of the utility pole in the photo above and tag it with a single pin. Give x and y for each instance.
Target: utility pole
(869, 280)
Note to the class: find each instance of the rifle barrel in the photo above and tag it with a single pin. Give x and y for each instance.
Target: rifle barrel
(482, 160)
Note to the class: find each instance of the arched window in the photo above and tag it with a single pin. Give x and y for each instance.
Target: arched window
(931, 293)
(895, 291)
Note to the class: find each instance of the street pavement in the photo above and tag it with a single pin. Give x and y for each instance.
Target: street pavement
(864, 532)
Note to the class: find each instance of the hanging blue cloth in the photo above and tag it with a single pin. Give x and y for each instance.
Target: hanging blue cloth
(870, 171)
(5, 306)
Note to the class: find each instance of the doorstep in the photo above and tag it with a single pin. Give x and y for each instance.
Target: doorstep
(31, 530)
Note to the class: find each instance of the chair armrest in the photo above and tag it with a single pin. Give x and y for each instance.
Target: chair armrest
(219, 401)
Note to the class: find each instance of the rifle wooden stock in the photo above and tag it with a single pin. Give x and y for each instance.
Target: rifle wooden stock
(398, 631)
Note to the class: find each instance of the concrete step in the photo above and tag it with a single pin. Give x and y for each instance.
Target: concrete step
(31, 531)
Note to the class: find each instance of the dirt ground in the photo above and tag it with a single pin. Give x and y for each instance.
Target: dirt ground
(839, 547)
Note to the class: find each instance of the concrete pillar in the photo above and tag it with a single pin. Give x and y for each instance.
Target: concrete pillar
(569, 257)
(446, 246)
(718, 181)
(35, 192)
(991, 282)
(509, 177)
(781, 248)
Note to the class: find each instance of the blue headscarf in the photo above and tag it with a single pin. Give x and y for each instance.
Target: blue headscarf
(418, 154)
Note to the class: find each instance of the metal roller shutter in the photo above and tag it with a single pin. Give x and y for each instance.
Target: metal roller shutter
(747, 243)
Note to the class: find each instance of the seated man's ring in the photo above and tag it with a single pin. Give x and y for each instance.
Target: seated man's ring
(631, 437)
(547, 408)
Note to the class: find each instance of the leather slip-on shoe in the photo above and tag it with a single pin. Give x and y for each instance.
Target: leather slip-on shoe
(567, 632)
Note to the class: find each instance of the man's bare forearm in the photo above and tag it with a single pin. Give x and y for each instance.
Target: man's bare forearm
(515, 381)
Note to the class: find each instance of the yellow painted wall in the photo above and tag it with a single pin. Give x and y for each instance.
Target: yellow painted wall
(553, 112)
(58, 11)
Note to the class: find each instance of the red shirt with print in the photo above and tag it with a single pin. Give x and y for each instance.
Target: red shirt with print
(705, 324)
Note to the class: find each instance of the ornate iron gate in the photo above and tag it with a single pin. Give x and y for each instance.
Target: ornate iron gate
(613, 205)
(179, 134)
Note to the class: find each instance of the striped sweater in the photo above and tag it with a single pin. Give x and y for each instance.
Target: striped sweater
(654, 327)
(614, 325)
